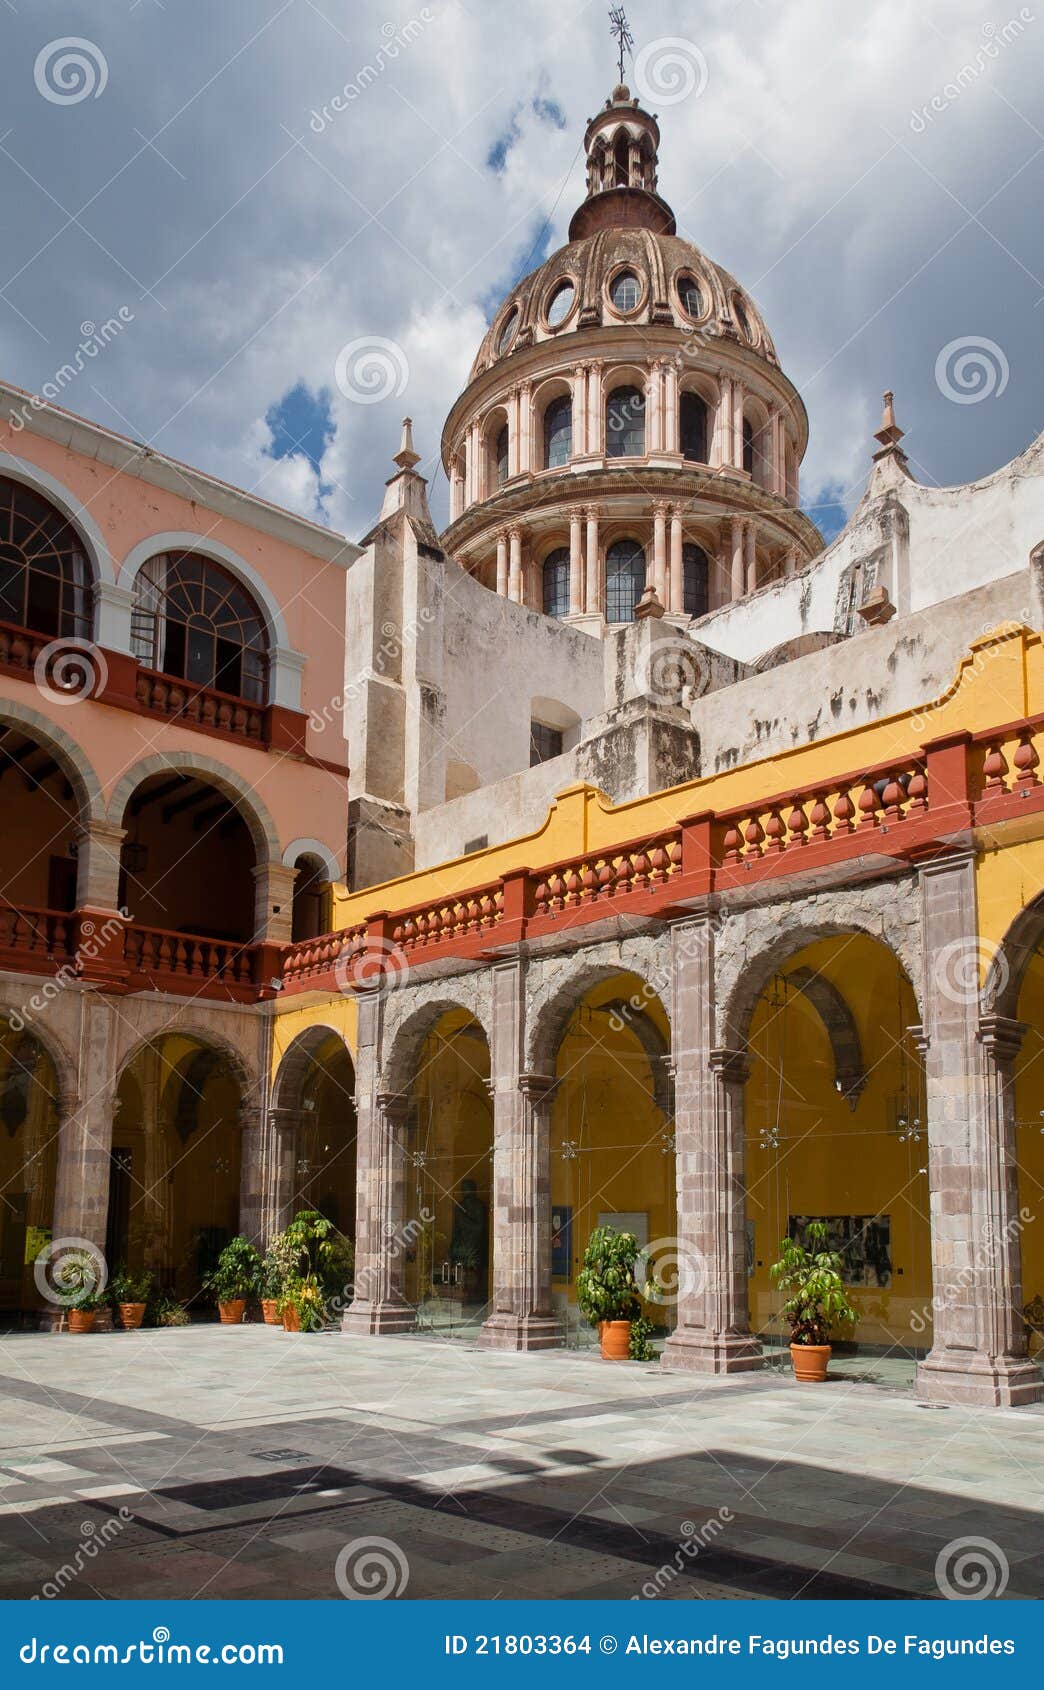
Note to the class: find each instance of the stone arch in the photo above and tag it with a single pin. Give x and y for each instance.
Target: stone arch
(66, 752)
(412, 1018)
(49, 487)
(755, 943)
(313, 848)
(252, 809)
(833, 1010)
(254, 583)
(247, 1077)
(1008, 961)
(493, 426)
(298, 1057)
(558, 984)
(15, 1014)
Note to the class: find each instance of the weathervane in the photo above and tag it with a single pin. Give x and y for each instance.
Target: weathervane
(618, 25)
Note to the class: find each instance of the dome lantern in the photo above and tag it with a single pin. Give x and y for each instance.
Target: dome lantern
(622, 145)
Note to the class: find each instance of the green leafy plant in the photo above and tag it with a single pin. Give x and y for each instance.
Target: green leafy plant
(638, 1347)
(305, 1297)
(237, 1273)
(128, 1287)
(605, 1286)
(814, 1296)
(165, 1310)
(86, 1302)
(311, 1249)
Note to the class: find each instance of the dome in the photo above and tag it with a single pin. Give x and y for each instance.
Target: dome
(676, 284)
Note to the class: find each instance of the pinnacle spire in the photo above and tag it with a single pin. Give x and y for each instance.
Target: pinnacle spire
(889, 433)
(406, 457)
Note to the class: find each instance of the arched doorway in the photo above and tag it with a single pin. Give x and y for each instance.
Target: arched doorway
(42, 815)
(174, 1189)
(28, 1159)
(187, 860)
(836, 1131)
(612, 1142)
(449, 1177)
(315, 1104)
(310, 909)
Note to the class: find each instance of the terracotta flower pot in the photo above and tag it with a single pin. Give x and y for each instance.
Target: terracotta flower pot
(131, 1316)
(270, 1310)
(615, 1337)
(291, 1320)
(810, 1362)
(232, 1312)
(81, 1320)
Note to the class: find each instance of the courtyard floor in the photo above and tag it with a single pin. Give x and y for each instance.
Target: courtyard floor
(248, 1462)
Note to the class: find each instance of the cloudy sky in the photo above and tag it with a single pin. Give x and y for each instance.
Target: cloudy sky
(873, 174)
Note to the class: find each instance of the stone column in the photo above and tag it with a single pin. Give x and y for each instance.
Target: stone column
(654, 407)
(712, 1334)
(456, 490)
(284, 1128)
(254, 1173)
(379, 1305)
(677, 583)
(723, 423)
(974, 1205)
(522, 1315)
(750, 559)
(579, 412)
(514, 434)
(594, 565)
(737, 425)
(595, 419)
(515, 567)
(273, 902)
(502, 564)
(525, 428)
(81, 1193)
(98, 847)
(738, 562)
(659, 569)
(671, 440)
(576, 562)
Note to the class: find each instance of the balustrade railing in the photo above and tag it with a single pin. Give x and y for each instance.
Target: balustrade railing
(165, 695)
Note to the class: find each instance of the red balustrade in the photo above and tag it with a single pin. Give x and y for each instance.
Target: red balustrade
(308, 958)
(41, 941)
(159, 960)
(165, 695)
(19, 647)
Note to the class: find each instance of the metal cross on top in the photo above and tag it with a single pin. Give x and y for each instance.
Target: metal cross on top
(618, 25)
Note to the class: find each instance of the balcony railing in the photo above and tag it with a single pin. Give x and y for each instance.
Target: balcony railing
(166, 695)
(164, 961)
(40, 941)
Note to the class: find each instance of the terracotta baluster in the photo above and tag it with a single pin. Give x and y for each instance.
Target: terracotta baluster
(1026, 761)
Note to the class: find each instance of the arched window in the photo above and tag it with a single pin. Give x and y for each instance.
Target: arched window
(558, 432)
(622, 161)
(692, 422)
(193, 620)
(624, 580)
(556, 583)
(748, 446)
(625, 290)
(625, 423)
(502, 456)
(310, 901)
(44, 575)
(695, 581)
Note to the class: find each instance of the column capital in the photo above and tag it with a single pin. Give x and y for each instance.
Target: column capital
(731, 1066)
(538, 1087)
(1002, 1037)
(661, 508)
(393, 1105)
(591, 513)
(577, 513)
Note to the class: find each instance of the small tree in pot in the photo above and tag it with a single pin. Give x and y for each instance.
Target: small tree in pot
(606, 1289)
(234, 1279)
(814, 1299)
(129, 1295)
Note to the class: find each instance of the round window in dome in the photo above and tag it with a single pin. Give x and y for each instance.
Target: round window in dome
(691, 298)
(560, 304)
(625, 290)
(508, 332)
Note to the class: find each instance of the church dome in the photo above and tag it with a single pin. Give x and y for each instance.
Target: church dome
(625, 276)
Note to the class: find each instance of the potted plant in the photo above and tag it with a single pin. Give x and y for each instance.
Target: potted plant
(276, 1269)
(311, 1252)
(815, 1299)
(82, 1311)
(129, 1293)
(606, 1289)
(234, 1279)
(301, 1305)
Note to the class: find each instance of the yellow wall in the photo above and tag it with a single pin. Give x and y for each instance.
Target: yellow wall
(833, 1160)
